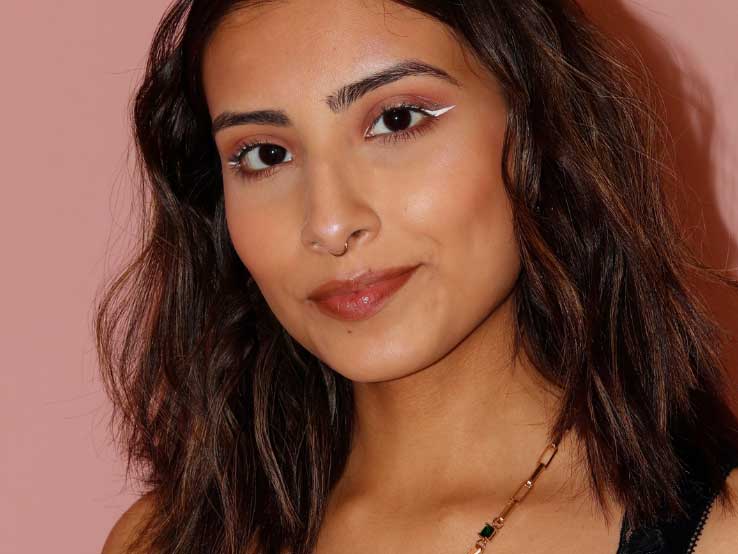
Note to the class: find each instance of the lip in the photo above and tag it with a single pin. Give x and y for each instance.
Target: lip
(363, 296)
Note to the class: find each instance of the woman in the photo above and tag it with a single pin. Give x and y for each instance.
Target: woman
(399, 258)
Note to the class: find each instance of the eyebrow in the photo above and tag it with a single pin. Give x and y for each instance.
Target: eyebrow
(340, 100)
(260, 117)
(345, 96)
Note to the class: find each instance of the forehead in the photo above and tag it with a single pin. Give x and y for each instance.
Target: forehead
(270, 52)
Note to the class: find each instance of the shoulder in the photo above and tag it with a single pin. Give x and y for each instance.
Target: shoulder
(720, 534)
(124, 530)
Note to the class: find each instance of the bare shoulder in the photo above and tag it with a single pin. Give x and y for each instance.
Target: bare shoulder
(124, 529)
(720, 535)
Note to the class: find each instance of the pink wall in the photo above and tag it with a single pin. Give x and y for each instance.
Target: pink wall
(68, 69)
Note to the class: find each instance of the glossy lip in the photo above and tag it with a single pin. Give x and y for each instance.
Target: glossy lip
(355, 284)
(366, 295)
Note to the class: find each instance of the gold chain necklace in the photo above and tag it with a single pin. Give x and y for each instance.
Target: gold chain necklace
(490, 530)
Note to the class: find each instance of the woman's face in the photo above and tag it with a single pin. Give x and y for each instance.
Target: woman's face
(419, 187)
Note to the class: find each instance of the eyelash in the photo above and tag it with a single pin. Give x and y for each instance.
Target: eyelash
(234, 162)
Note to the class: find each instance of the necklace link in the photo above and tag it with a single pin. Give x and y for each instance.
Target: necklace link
(489, 531)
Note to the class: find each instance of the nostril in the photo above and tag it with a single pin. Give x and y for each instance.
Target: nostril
(358, 233)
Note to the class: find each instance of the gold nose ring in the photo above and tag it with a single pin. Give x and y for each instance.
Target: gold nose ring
(345, 249)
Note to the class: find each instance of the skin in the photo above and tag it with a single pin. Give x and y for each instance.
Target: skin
(449, 423)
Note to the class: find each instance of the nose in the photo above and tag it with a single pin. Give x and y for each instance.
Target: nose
(338, 210)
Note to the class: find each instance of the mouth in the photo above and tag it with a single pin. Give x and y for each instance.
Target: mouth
(361, 297)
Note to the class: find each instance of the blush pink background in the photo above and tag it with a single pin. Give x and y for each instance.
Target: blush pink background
(68, 69)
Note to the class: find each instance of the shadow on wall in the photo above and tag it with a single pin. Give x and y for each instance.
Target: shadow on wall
(690, 111)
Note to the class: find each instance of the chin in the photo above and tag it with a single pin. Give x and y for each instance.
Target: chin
(388, 365)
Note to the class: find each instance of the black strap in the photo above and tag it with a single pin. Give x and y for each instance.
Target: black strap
(676, 535)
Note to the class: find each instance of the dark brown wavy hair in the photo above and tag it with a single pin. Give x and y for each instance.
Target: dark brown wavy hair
(240, 433)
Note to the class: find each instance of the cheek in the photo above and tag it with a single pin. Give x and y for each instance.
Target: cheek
(261, 237)
(460, 202)
(459, 196)
(479, 245)
(257, 234)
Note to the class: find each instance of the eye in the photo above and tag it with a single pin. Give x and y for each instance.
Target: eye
(398, 119)
(257, 158)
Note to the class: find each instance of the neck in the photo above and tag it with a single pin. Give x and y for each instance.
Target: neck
(478, 418)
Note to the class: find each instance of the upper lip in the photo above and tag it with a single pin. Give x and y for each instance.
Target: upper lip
(365, 278)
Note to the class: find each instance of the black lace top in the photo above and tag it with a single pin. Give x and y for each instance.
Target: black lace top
(677, 535)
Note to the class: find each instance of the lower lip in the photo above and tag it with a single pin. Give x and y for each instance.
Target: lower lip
(363, 303)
